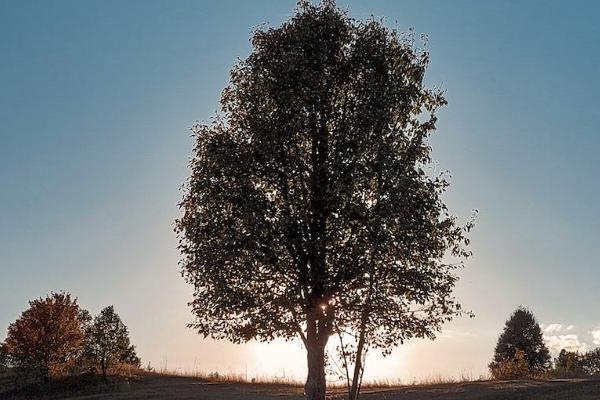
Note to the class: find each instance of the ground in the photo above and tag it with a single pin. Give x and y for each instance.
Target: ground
(182, 388)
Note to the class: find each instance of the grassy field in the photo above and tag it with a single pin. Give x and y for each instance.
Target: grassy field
(156, 386)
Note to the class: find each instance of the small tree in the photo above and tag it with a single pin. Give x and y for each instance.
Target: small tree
(47, 335)
(575, 364)
(312, 203)
(562, 361)
(522, 333)
(571, 363)
(592, 362)
(108, 343)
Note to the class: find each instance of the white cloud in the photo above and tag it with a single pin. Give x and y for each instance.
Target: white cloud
(553, 328)
(596, 336)
(570, 327)
(568, 342)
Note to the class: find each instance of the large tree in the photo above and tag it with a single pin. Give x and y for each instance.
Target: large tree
(312, 204)
(107, 342)
(46, 335)
(522, 333)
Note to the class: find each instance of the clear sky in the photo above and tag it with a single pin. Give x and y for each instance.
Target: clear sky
(96, 101)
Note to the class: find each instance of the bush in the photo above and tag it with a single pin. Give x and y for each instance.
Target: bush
(591, 362)
(571, 364)
(512, 369)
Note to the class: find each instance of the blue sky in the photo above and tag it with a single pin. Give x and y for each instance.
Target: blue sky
(96, 101)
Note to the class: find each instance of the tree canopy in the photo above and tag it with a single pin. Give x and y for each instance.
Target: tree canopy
(312, 195)
(107, 341)
(522, 333)
(576, 364)
(46, 335)
(55, 336)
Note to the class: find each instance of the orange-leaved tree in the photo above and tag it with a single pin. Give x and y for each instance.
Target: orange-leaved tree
(46, 335)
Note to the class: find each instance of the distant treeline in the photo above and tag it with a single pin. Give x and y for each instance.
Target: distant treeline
(54, 336)
(522, 353)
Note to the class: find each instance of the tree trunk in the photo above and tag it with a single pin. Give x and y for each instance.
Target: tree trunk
(358, 367)
(315, 381)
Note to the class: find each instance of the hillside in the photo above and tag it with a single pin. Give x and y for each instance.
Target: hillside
(182, 388)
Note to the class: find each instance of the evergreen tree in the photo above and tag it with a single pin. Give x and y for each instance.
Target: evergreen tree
(522, 332)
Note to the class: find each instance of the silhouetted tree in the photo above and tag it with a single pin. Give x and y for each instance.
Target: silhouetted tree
(4, 359)
(130, 357)
(592, 362)
(311, 202)
(107, 341)
(573, 364)
(522, 332)
(562, 361)
(49, 333)
(570, 363)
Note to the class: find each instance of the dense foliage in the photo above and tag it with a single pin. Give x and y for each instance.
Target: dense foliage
(311, 203)
(47, 335)
(575, 364)
(4, 358)
(55, 336)
(514, 368)
(107, 342)
(522, 333)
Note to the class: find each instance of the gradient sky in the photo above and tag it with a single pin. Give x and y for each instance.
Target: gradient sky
(96, 101)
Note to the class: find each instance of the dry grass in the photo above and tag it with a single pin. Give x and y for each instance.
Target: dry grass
(228, 377)
(178, 385)
(120, 381)
(263, 379)
(464, 377)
